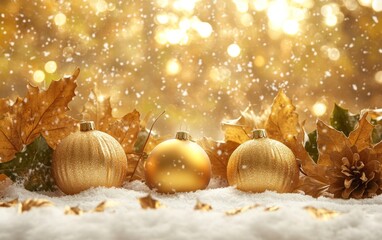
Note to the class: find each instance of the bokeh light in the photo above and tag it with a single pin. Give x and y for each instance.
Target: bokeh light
(233, 50)
(201, 61)
(50, 67)
(319, 109)
(38, 76)
(60, 19)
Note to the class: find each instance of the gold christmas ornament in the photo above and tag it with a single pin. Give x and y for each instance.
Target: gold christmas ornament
(88, 158)
(262, 164)
(178, 165)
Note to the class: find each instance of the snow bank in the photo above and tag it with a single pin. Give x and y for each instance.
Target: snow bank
(360, 219)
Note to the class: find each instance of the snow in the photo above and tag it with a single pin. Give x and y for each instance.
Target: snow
(359, 219)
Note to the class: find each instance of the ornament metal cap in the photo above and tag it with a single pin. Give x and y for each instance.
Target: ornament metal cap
(87, 126)
(259, 133)
(181, 135)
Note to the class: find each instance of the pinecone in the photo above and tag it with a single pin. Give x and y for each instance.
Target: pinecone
(355, 174)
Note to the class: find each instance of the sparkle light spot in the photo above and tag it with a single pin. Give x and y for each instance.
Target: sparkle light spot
(377, 5)
(260, 5)
(60, 19)
(334, 54)
(38, 76)
(291, 27)
(378, 77)
(173, 66)
(233, 50)
(50, 67)
(319, 109)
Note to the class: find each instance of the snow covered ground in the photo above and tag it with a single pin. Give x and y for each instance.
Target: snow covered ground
(359, 219)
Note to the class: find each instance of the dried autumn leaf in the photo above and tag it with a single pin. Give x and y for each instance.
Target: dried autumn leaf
(361, 136)
(4, 106)
(202, 206)
(329, 140)
(321, 213)
(10, 203)
(218, 153)
(283, 125)
(124, 129)
(33, 203)
(73, 211)
(39, 113)
(241, 210)
(272, 209)
(238, 130)
(132, 160)
(150, 203)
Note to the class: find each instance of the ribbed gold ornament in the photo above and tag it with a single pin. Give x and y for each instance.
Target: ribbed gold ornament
(178, 165)
(88, 158)
(262, 164)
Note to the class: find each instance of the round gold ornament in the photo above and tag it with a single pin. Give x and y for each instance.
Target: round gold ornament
(178, 165)
(88, 158)
(262, 164)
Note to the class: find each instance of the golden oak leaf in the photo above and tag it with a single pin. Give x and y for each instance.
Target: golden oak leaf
(124, 129)
(239, 129)
(361, 136)
(202, 206)
(218, 153)
(150, 203)
(39, 113)
(329, 140)
(321, 213)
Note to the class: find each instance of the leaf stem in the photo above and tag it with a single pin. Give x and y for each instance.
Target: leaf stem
(143, 149)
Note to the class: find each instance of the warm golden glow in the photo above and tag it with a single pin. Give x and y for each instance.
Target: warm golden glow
(377, 5)
(60, 19)
(378, 77)
(319, 109)
(173, 66)
(233, 50)
(50, 67)
(38, 76)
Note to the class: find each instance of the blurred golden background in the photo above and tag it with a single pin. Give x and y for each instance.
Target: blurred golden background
(200, 60)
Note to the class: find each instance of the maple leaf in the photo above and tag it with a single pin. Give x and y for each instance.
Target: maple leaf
(239, 129)
(361, 136)
(218, 153)
(283, 125)
(124, 129)
(39, 113)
